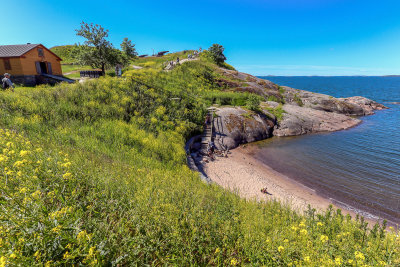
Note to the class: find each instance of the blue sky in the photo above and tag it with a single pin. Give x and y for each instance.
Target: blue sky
(261, 37)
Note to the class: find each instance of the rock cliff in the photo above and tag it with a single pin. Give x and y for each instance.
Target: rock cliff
(300, 112)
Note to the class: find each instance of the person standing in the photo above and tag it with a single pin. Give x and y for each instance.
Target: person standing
(7, 83)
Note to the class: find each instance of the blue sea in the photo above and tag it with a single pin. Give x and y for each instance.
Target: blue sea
(358, 168)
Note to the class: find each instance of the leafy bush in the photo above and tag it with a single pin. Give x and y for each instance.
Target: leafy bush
(253, 102)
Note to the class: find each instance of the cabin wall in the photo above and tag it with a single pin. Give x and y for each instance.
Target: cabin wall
(16, 67)
(29, 60)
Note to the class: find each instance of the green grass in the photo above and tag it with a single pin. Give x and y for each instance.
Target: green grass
(70, 68)
(86, 179)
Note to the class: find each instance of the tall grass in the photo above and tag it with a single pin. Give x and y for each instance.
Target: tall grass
(95, 174)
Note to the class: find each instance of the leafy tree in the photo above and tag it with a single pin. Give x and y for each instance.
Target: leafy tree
(217, 53)
(128, 48)
(97, 51)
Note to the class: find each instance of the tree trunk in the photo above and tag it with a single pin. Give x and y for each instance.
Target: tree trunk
(103, 69)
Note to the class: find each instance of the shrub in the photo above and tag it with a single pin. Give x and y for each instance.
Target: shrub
(253, 102)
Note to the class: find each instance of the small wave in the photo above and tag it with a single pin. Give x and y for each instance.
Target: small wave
(355, 210)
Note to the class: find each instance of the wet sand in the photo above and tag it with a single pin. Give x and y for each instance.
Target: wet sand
(241, 173)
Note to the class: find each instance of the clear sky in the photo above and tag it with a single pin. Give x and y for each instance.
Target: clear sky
(261, 37)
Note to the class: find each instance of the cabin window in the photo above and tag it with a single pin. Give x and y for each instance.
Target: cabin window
(7, 64)
(40, 52)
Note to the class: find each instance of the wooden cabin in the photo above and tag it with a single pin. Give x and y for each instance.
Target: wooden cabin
(28, 62)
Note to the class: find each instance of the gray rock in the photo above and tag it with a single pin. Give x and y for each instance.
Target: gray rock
(235, 126)
(367, 105)
(301, 120)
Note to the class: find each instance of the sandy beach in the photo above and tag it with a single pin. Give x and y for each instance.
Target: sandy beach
(241, 173)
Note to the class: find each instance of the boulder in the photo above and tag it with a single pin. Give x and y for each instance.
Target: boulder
(235, 126)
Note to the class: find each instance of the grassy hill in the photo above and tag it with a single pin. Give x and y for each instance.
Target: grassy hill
(64, 52)
(96, 174)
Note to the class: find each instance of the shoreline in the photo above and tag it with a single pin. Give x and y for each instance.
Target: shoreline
(245, 175)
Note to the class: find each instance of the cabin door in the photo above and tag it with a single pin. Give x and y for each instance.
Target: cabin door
(41, 67)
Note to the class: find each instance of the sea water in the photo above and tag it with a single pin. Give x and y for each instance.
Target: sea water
(358, 168)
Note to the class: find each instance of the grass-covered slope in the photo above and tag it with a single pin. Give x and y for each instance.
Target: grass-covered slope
(95, 173)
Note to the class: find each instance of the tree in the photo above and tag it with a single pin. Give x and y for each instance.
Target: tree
(96, 51)
(128, 48)
(217, 53)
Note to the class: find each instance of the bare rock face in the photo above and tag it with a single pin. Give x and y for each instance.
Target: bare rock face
(366, 104)
(301, 120)
(235, 126)
(352, 106)
(321, 102)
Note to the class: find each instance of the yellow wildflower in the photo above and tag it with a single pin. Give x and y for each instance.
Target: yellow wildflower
(338, 261)
(36, 194)
(48, 264)
(3, 261)
(56, 229)
(320, 224)
(66, 255)
(13, 256)
(359, 256)
(217, 250)
(23, 153)
(324, 238)
(18, 163)
(67, 175)
(234, 262)
(23, 190)
(280, 248)
(92, 250)
(303, 231)
(82, 236)
(37, 255)
(66, 164)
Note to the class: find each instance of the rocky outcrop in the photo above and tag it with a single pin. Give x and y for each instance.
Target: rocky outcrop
(352, 106)
(243, 82)
(368, 106)
(302, 120)
(302, 112)
(235, 126)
